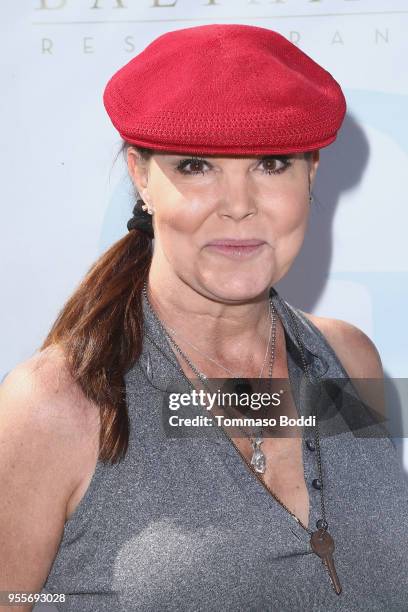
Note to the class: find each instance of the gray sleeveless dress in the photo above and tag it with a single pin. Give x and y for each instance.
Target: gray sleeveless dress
(182, 524)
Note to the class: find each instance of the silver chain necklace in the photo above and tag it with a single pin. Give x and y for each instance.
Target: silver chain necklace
(258, 459)
(217, 363)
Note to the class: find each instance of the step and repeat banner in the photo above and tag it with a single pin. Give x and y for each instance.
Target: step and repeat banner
(66, 195)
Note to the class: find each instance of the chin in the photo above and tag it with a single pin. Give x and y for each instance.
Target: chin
(236, 288)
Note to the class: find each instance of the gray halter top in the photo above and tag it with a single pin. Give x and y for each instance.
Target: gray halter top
(182, 524)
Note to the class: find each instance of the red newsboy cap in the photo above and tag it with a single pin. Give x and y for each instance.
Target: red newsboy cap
(225, 89)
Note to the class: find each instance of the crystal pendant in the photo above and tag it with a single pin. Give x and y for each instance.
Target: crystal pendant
(258, 459)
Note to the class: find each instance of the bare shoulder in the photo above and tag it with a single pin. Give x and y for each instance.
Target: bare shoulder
(42, 390)
(48, 442)
(355, 350)
(44, 410)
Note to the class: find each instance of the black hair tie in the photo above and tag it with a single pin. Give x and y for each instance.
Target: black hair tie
(141, 220)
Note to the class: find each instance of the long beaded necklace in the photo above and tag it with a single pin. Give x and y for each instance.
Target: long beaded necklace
(321, 541)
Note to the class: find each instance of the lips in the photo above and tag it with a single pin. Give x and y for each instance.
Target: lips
(236, 248)
(236, 242)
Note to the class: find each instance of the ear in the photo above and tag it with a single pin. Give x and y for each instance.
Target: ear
(139, 172)
(314, 161)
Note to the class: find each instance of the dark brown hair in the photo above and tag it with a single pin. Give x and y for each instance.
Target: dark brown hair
(100, 329)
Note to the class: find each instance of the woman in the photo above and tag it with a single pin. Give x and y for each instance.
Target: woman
(222, 127)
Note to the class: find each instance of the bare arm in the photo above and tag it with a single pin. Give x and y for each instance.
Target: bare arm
(43, 430)
(359, 357)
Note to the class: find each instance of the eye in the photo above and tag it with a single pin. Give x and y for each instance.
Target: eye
(193, 165)
(275, 165)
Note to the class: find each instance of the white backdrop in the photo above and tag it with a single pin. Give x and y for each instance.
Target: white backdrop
(64, 201)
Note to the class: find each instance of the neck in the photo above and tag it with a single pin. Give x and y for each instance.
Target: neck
(228, 332)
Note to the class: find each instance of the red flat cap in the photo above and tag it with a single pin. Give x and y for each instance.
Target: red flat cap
(225, 89)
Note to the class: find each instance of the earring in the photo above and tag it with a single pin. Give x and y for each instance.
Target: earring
(146, 208)
(310, 190)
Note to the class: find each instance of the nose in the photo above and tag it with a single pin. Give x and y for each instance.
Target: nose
(236, 199)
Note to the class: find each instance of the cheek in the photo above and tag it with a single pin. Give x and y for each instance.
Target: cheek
(286, 205)
(291, 215)
(180, 217)
(177, 211)
(181, 204)
(179, 221)
(286, 212)
(290, 221)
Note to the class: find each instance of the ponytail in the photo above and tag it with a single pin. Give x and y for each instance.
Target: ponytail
(100, 329)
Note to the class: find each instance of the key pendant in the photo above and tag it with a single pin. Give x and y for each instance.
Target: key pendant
(258, 459)
(323, 546)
